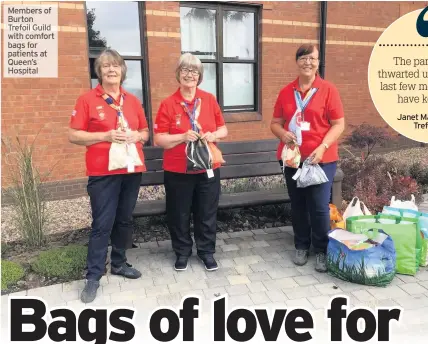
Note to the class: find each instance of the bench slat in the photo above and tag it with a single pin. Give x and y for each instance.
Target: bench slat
(249, 158)
(250, 170)
(242, 147)
(233, 200)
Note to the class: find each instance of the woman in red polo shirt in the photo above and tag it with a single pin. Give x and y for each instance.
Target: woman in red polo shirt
(182, 117)
(109, 117)
(309, 112)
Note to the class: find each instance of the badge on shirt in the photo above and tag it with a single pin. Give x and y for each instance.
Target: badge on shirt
(305, 126)
(178, 120)
(101, 113)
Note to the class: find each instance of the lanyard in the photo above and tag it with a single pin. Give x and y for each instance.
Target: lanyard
(302, 104)
(192, 114)
(119, 109)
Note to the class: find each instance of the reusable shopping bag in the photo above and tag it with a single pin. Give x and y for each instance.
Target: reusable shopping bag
(368, 259)
(309, 174)
(290, 155)
(423, 223)
(354, 209)
(404, 231)
(396, 203)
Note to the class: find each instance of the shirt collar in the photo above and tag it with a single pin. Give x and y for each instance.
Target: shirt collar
(100, 91)
(179, 98)
(316, 84)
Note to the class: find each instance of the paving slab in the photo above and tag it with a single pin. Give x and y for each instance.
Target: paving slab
(255, 271)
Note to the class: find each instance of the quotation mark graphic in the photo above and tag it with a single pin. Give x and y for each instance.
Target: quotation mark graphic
(421, 24)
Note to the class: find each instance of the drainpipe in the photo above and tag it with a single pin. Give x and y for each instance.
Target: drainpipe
(323, 35)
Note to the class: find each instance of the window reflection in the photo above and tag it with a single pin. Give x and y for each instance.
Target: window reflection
(209, 83)
(115, 25)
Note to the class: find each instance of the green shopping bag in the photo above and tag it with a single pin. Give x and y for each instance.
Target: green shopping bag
(405, 232)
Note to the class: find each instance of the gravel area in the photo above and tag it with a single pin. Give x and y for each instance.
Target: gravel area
(75, 213)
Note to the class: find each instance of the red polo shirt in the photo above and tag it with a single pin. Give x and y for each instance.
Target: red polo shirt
(92, 113)
(325, 105)
(172, 119)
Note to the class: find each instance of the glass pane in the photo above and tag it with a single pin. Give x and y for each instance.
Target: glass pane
(133, 83)
(238, 84)
(115, 25)
(238, 35)
(198, 32)
(209, 83)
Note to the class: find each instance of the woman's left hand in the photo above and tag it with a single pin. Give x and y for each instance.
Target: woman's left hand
(317, 155)
(210, 137)
(133, 136)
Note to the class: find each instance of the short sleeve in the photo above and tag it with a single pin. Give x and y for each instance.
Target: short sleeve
(80, 116)
(142, 121)
(162, 121)
(334, 106)
(219, 120)
(277, 111)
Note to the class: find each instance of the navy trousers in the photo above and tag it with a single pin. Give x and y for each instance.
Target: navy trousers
(113, 200)
(195, 194)
(310, 210)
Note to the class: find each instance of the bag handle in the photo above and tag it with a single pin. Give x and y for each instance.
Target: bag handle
(365, 209)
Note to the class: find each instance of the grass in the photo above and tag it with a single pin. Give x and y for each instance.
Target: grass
(11, 273)
(356, 273)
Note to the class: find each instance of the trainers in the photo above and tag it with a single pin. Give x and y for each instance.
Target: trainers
(321, 264)
(126, 270)
(301, 257)
(209, 262)
(89, 293)
(181, 263)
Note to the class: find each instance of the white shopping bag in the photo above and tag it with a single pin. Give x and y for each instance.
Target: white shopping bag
(354, 209)
(396, 203)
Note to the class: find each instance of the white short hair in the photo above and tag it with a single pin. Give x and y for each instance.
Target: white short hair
(189, 60)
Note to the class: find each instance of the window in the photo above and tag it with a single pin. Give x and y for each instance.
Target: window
(118, 25)
(225, 38)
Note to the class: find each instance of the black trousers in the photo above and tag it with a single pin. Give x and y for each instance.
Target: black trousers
(192, 194)
(310, 215)
(113, 200)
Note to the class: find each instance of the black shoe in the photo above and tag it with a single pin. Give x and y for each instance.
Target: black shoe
(209, 262)
(181, 263)
(89, 293)
(126, 270)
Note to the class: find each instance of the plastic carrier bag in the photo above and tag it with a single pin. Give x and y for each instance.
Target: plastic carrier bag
(368, 259)
(309, 175)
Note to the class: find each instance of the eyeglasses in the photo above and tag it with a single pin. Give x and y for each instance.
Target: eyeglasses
(186, 71)
(309, 59)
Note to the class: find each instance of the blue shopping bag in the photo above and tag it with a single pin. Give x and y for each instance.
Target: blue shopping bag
(368, 259)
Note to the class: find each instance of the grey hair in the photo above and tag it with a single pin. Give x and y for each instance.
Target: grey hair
(187, 60)
(112, 56)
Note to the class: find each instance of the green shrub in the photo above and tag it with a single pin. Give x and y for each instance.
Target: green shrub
(64, 262)
(419, 172)
(11, 273)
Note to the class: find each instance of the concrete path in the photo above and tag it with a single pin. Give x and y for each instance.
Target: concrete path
(255, 271)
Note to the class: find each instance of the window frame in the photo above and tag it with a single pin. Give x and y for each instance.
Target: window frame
(219, 60)
(143, 58)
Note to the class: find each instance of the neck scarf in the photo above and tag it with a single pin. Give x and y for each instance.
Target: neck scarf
(194, 114)
(298, 117)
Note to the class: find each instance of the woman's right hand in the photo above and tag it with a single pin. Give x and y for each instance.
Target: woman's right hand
(190, 136)
(118, 136)
(288, 137)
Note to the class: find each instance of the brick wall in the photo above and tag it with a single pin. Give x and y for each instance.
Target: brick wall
(30, 105)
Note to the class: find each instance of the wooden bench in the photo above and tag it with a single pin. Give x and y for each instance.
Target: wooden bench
(243, 159)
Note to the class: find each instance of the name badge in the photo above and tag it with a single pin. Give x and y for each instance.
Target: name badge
(305, 126)
(210, 173)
